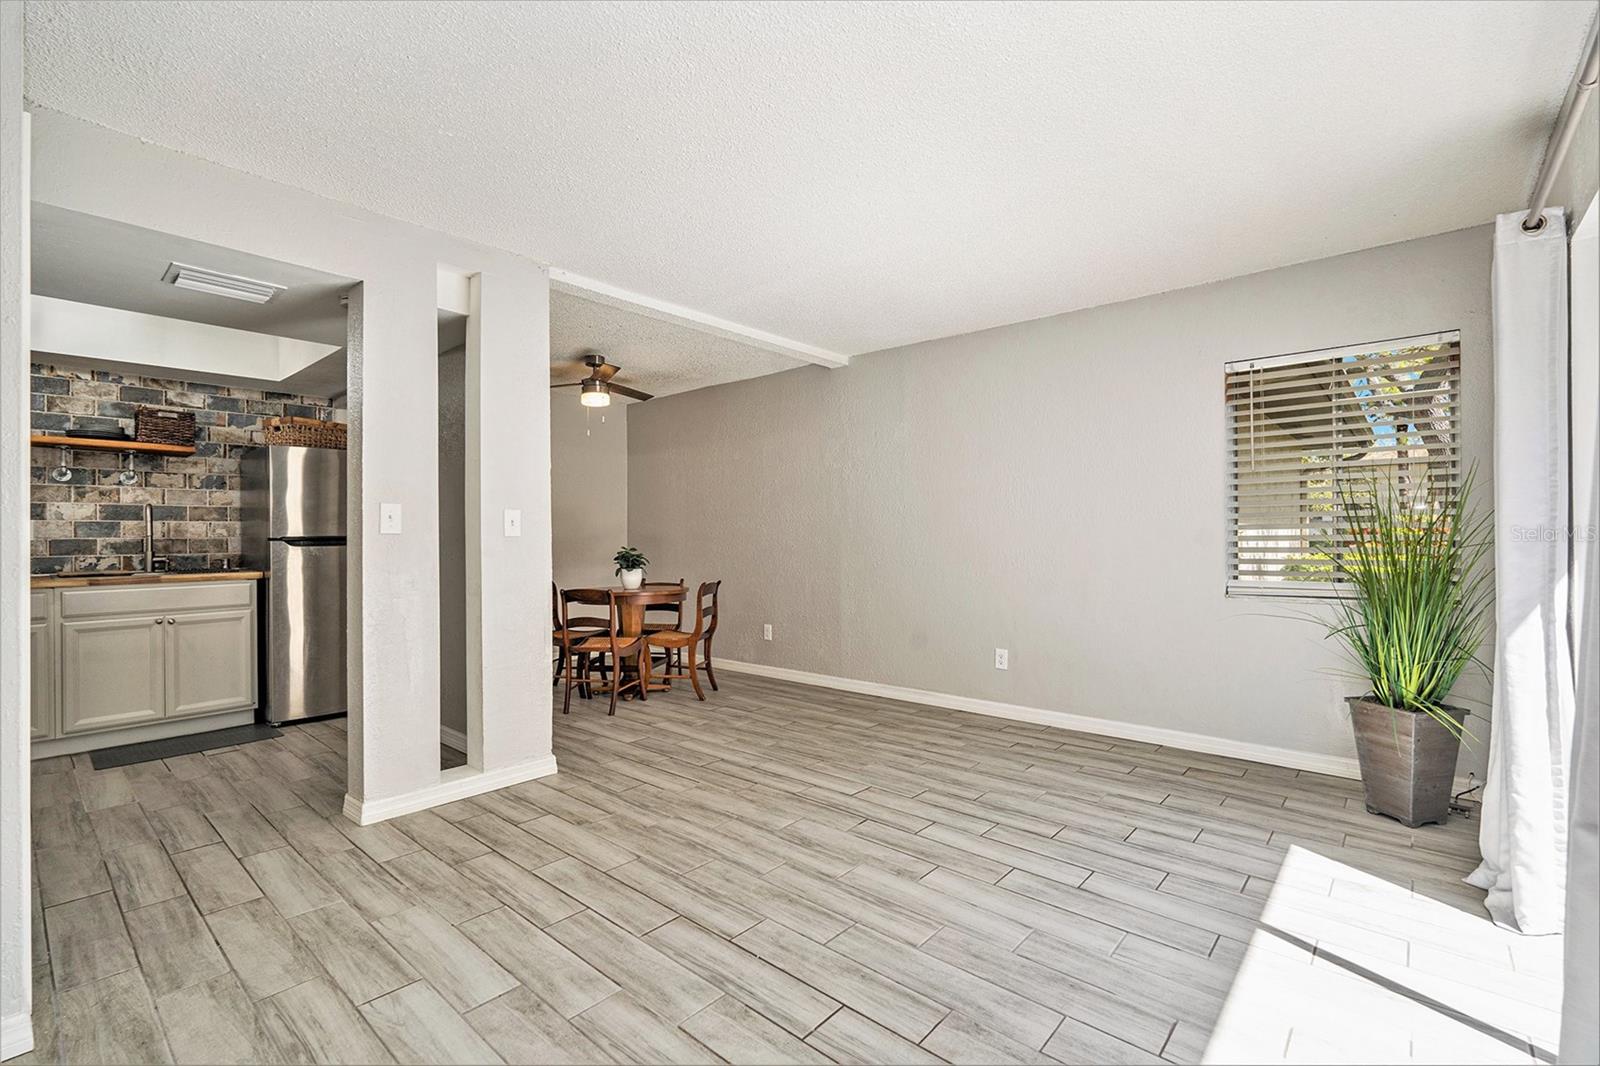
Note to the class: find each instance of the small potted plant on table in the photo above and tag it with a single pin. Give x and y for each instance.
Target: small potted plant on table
(630, 567)
(1415, 615)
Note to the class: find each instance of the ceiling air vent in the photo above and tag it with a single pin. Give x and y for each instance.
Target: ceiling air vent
(219, 284)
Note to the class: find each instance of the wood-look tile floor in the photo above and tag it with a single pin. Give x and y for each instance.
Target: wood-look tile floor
(780, 874)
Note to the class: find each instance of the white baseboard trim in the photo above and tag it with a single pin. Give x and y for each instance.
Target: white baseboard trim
(454, 739)
(1332, 765)
(459, 783)
(16, 1035)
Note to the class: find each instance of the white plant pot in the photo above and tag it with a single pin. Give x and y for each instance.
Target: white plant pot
(632, 579)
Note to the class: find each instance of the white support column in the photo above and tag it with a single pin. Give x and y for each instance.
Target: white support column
(394, 723)
(508, 577)
(16, 948)
(394, 577)
(355, 770)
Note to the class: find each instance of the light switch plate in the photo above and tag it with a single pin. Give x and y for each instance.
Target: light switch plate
(513, 523)
(388, 518)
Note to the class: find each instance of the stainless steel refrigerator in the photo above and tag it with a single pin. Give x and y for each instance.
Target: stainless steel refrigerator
(294, 529)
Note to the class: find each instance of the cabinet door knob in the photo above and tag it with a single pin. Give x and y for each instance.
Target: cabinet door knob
(172, 621)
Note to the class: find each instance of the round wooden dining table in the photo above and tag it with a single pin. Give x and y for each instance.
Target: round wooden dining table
(630, 615)
(630, 612)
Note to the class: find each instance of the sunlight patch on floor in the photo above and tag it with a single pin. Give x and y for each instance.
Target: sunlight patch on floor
(1348, 967)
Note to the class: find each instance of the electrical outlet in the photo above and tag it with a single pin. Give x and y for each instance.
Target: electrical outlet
(513, 523)
(389, 518)
(766, 631)
(1002, 659)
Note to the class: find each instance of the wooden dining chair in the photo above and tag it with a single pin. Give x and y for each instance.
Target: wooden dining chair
(579, 647)
(686, 643)
(660, 598)
(578, 626)
(675, 610)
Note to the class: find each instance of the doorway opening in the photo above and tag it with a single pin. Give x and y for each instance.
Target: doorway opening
(189, 502)
(453, 693)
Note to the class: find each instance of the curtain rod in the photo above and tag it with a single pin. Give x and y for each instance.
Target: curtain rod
(1566, 130)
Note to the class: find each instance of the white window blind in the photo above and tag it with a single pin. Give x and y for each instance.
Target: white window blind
(1301, 426)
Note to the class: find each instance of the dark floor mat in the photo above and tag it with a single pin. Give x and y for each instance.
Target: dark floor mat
(150, 750)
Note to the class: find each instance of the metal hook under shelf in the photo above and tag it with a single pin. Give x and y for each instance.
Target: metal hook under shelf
(62, 473)
(127, 475)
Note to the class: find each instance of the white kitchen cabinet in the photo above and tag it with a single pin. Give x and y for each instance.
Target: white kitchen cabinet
(113, 672)
(109, 657)
(42, 668)
(211, 662)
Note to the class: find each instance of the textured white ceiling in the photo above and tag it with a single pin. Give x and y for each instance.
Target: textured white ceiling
(656, 356)
(853, 175)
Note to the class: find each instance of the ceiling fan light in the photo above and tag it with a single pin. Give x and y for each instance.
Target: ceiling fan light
(594, 394)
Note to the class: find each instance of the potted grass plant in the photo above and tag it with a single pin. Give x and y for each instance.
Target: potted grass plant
(1414, 618)
(630, 567)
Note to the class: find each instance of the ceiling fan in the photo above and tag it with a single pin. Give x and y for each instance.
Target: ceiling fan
(596, 389)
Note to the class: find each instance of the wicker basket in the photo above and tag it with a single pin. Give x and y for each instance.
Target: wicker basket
(155, 425)
(303, 432)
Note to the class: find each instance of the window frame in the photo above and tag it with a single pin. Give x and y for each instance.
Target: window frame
(1316, 591)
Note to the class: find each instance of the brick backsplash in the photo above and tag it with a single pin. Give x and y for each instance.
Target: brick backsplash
(94, 523)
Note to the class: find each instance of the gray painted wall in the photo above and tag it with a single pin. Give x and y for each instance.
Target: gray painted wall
(1052, 487)
(588, 489)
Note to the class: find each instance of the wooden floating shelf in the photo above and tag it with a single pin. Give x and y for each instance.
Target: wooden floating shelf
(92, 444)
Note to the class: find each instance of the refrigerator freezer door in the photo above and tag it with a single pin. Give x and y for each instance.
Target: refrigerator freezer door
(305, 488)
(305, 632)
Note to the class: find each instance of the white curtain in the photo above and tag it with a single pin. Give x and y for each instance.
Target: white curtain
(1524, 832)
(1580, 1031)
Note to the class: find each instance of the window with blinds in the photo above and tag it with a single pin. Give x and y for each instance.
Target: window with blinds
(1302, 427)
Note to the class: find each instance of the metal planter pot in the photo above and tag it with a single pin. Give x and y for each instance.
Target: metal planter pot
(1408, 761)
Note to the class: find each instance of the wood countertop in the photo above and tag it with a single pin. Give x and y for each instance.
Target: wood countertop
(85, 580)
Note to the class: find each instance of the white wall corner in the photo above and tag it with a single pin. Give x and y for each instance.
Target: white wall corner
(454, 290)
(16, 1035)
(16, 855)
(463, 782)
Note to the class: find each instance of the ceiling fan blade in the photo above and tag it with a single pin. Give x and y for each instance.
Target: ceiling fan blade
(606, 371)
(568, 384)
(632, 394)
